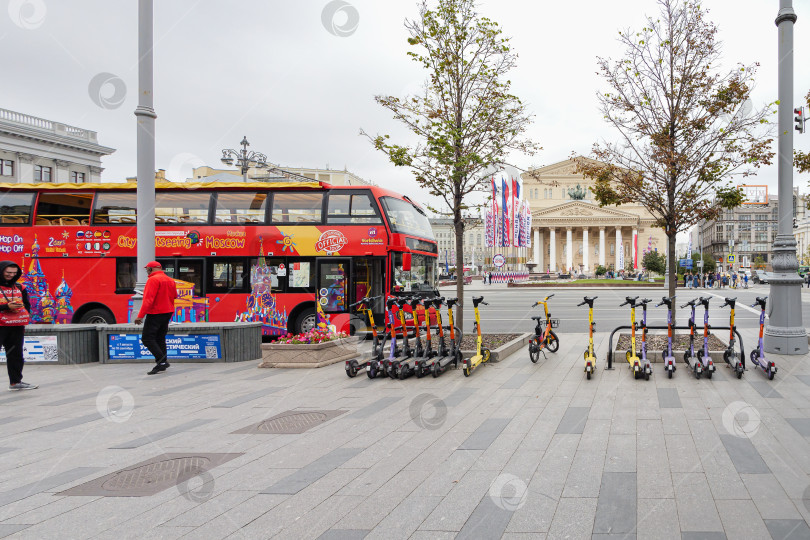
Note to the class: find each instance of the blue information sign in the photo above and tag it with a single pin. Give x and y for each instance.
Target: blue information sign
(686, 263)
(183, 347)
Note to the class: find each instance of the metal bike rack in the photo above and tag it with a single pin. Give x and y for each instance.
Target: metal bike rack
(711, 327)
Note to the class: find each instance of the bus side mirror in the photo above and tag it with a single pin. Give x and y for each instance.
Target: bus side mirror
(406, 262)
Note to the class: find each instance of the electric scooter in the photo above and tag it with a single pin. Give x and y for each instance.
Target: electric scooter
(482, 353)
(667, 355)
(408, 365)
(407, 352)
(352, 366)
(590, 357)
(689, 355)
(758, 354)
(439, 365)
(632, 357)
(380, 367)
(732, 357)
(706, 363)
(646, 366)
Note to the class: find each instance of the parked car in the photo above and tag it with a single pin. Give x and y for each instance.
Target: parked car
(761, 276)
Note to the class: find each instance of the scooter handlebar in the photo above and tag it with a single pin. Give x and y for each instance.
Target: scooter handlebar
(760, 301)
(478, 300)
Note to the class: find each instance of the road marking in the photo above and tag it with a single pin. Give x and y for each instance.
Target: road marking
(745, 307)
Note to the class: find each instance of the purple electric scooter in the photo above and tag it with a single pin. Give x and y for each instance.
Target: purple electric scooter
(758, 354)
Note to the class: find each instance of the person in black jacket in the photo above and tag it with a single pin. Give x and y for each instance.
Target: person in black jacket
(15, 309)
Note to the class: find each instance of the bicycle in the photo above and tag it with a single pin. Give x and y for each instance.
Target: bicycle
(589, 355)
(758, 354)
(732, 357)
(482, 354)
(667, 355)
(352, 366)
(544, 337)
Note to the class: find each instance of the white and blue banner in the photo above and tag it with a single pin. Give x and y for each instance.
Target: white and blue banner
(182, 347)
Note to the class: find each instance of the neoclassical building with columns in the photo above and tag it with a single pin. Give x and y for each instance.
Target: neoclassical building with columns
(570, 231)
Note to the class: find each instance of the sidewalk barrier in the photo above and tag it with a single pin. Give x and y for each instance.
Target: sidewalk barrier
(504, 277)
(187, 342)
(61, 344)
(651, 327)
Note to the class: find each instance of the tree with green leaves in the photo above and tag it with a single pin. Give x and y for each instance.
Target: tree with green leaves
(466, 120)
(685, 127)
(654, 262)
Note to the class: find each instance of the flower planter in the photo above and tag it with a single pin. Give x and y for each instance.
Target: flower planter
(307, 355)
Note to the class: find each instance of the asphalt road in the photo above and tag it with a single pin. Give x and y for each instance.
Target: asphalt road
(509, 309)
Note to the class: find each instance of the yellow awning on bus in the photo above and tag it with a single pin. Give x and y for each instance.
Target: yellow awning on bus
(162, 185)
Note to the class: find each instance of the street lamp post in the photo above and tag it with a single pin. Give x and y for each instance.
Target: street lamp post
(145, 113)
(244, 159)
(785, 333)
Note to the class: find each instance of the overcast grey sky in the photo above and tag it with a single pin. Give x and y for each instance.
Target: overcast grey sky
(282, 75)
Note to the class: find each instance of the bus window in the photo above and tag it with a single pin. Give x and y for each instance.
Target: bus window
(273, 275)
(300, 275)
(15, 208)
(297, 207)
(191, 270)
(126, 274)
(351, 208)
(182, 207)
(405, 218)
(227, 275)
(64, 208)
(115, 207)
(242, 207)
(421, 276)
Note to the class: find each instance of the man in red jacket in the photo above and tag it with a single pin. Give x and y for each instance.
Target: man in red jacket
(158, 307)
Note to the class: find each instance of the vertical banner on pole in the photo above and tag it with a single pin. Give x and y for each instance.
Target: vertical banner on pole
(620, 247)
(635, 251)
(505, 211)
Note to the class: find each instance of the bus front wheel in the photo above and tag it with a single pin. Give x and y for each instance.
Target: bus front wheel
(306, 321)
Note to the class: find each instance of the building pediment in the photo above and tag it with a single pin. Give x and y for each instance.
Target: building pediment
(566, 167)
(582, 213)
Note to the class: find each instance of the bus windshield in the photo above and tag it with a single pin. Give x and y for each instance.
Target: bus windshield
(405, 218)
(421, 276)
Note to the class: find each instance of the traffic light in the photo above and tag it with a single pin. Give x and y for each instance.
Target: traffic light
(801, 119)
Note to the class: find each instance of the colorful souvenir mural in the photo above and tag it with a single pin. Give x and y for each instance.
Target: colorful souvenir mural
(64, 311)
(187, 308)
(44, 309)
(261, 304)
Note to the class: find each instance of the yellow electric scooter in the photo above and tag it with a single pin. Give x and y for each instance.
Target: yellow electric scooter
(631, 355)
(482, 353)
(590, 357)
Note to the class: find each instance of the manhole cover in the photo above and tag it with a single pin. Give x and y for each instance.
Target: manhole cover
(291, 422)
(151, 476)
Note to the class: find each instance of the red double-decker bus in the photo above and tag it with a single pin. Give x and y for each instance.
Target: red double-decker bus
(238, 251)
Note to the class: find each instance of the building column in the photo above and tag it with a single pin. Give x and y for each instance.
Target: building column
(633, 241)
(541, 242)
(585, 249)
(552, 256)
(619, 249)
(602, 246)
(569, 250)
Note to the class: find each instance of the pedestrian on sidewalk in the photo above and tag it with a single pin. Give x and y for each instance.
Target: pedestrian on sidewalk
(15, 309)
(745, 279)
(157, 307)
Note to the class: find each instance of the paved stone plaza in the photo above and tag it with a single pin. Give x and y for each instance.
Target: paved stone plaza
(517, 450)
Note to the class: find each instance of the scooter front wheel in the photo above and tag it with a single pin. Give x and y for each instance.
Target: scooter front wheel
(486, 353)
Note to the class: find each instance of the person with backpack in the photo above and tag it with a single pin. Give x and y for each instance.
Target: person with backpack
(15, 309)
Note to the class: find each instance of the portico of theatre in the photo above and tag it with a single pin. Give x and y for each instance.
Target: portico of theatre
(572, 233)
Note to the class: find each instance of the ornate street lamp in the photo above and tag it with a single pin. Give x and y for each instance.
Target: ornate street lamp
(244, 159)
